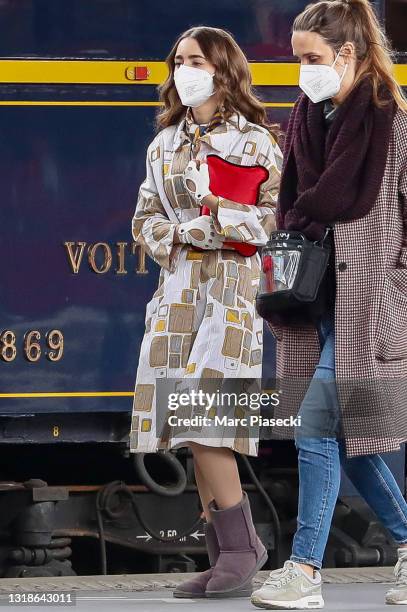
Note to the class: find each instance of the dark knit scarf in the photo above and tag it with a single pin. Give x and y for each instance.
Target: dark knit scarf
(333, 176)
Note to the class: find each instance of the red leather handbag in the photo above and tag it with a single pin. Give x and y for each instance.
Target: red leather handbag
(237, 183)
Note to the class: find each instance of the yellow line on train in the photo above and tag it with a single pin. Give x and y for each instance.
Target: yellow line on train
(114, 103)
(112, 72)
(73, 103)
(72, 394)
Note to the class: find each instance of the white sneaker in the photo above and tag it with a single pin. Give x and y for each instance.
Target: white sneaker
(398, 593)
(289, 588)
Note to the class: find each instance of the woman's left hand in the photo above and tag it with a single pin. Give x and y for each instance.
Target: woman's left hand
(196, 179)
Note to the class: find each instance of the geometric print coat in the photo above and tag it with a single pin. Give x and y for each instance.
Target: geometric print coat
(201, 321)
(370, 320)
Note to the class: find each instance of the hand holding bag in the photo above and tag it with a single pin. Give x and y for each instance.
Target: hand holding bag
(238, 183)
(293, 286)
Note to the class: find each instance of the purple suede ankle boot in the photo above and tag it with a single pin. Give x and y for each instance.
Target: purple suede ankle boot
(195, 587)
(242, 553)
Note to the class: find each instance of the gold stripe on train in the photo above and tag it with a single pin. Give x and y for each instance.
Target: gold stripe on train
(71, 394)
(124, 73)
(107, 103)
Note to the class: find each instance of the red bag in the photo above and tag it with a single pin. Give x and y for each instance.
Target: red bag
(238, 183)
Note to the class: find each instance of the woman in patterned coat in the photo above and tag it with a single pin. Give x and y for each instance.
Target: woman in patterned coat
(201, 322)
(345, 166)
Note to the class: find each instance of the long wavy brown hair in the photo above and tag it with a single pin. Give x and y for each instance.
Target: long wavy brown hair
(339, 21)
(232, 80)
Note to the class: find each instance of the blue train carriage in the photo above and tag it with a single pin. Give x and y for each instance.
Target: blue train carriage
(78, 99)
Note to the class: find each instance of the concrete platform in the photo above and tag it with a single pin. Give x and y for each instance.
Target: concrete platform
(352, 589)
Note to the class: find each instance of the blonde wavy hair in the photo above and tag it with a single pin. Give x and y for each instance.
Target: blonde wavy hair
(339, 21)
(232, 80)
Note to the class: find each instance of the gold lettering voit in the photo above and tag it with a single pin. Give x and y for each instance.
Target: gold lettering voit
(107, 262)
(75, 257)
(141, 261)
(121, 257)
(100, 256)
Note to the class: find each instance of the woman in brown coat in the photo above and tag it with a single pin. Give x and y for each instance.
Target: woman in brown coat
(345, 163)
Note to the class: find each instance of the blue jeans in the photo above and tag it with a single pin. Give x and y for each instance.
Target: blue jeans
(321, 452)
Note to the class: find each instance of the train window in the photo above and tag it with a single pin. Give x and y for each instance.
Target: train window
(140, 28)
(396, 21)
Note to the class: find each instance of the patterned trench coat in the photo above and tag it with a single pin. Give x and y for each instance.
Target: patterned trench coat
(201, 321)
(370, 320)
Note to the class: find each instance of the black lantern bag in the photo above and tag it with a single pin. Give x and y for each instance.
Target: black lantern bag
(294, 287)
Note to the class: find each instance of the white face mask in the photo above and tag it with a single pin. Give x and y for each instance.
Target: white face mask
(194, 85)
(320, 81)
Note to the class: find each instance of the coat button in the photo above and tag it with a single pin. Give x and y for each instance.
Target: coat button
(342, 266)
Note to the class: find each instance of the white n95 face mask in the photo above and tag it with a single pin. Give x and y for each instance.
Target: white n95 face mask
(194, 85)
(320, 82)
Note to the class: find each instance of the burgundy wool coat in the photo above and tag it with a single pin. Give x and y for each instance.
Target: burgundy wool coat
(370, 320)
